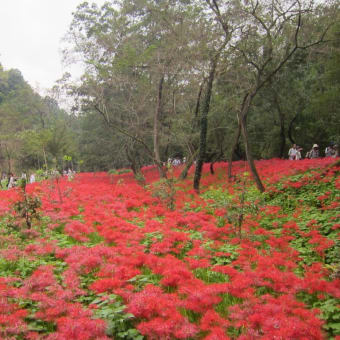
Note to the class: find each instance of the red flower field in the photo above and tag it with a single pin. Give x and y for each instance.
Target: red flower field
(109, 258)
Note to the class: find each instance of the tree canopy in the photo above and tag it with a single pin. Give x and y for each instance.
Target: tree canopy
(257, 75)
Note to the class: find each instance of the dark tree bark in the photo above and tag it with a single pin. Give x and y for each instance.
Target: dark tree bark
(198, 101)
(212, 171)
(188, 165)
(238, 152)
(214, 160)
(157, 114)
(243, 122)
(204, 124)
(290, 129)
(134, 162)
(264, 70)
(192, 154)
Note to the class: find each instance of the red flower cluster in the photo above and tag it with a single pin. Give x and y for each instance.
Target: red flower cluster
(186, 273)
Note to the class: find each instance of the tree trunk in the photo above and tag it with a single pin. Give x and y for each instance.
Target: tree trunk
(216, 157)
(233, 149)
(290, 129)
(192, 154)
(158, 111)
(45, 159)
(243, 122)
(188, 165)
(198, 101)
(212, 171)
(135, 164)
(204, 125)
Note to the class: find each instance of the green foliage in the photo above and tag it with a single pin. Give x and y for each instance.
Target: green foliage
(40, 326)
(165, 190)
(150, 238)
(119, 171)
(34, 130)
(147, 277)
(27, 207)
(245, 200)
(4, 183)
(22, 266)
(120, 324)
(210, 276)
(329, 308)
(331, 314)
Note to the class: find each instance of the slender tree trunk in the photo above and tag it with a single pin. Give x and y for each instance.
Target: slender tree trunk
(135, 165)
(243, 122)
(290, 129)
(137, 171)
(212, 171)
(188, 165)
(198, 101)
(45, 159)
(232, 151)
(192, 154)
(204, 125)
(250, 157)
(158, 111)
(214, 159)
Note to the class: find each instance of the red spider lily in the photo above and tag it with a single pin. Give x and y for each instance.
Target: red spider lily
(174, 326)
(141, 239)
(81, 328)
(152, 302)
(217, 333)
(78, 230)
(281, 317)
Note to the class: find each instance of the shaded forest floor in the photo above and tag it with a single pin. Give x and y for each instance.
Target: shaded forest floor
(108, 258)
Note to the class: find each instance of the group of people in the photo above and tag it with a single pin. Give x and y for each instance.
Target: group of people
(176, 161)
(11, 181)
(69, 173)
(294, 152)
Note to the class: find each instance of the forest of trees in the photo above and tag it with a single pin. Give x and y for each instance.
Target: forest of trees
(203, 79)
(34, 132)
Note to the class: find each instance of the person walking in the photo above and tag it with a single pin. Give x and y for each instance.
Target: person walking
(314, 152)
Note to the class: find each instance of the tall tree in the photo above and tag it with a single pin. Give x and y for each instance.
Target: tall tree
(139, 55)
(268, 36)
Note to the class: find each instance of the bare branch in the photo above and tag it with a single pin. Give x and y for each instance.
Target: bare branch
(122, 131)
(215, 8)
